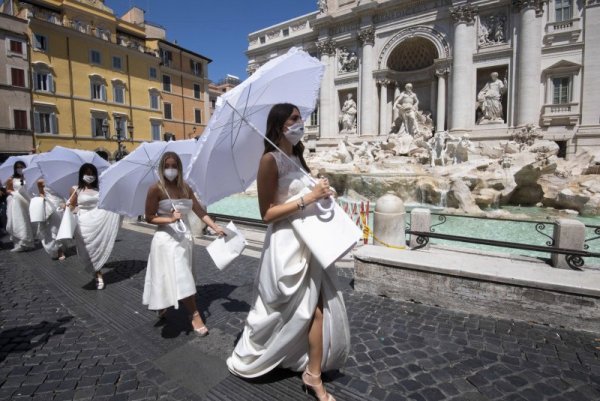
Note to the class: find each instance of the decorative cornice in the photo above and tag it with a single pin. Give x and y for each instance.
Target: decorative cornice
(538, 5)
(366, 36)
(442, 68)
(326, 46)
(592, 3)
(464, 14)
(384, 82)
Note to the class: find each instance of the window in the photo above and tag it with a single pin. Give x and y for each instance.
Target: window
(16, 46)
(168, 113)
(197, 91)
(44, 122)
(152, 73)
(43, 81)
(119, 93)
(286, 32)
(166, 83)
(155, 130)
(561, 94)
(20, 119)
(314, 117)
(40, 42)
(117, 63)
(17, 77)
(95, 57)
(154, 100)
(262, 40)
(97, 122)
(166, 57)
(121, 125)
(197, 116)
(196, 67)
(98, 90)
(562, 10)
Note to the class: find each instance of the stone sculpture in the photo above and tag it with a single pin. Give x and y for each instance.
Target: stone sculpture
(489, 100)
(437, 146)
(407, 104)
(348, 116)
(491, 30)
(322, 4)
(348, 60)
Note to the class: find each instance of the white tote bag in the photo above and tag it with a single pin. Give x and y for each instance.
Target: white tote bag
(225, 249)
(328, 235)
(67, 225)
(37, 210)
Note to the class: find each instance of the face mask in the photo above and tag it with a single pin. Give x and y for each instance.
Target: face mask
(88, 179)
(19, 171)
(170, 173)
(294, 133)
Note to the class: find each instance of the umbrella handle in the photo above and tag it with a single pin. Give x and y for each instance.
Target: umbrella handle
(328, 208)
(180, 227)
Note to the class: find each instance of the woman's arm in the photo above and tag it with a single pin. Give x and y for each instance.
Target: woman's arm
(203, 215)
(152, 200)
(266, 183)
(72, 201)
(40, 185)
(9, 186)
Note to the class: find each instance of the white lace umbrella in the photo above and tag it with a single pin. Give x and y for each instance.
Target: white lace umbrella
(33, 173)
(6, 168)
(60, 167)
(124, 186)
(226, 162)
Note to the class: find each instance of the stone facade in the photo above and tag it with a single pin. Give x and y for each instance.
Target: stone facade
(15, 116)
(545, 50)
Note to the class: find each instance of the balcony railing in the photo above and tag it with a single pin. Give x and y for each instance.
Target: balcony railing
(563, 26)
(566, 113)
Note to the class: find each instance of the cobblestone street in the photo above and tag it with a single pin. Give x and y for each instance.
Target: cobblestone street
(60, 339)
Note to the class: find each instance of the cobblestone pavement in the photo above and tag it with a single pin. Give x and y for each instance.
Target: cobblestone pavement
(60, 339)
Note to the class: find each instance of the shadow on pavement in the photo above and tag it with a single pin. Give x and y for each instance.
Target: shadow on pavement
(25, 338)
(116, 271)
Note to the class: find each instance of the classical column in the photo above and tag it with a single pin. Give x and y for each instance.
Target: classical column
(383, 101)
(440, 118)
(368, 123)
(529, 61)
(590, 99)
(326, 100)
(462, 66)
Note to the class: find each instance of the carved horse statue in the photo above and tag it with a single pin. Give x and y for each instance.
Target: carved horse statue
(437, 146)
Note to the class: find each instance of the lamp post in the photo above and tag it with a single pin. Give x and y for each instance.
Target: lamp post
(120, 154)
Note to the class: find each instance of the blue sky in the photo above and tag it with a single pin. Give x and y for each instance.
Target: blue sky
(217, 29)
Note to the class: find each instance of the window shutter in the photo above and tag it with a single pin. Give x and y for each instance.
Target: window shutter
(53, 124)
(103, 92)
(50, 83)
(36, 122)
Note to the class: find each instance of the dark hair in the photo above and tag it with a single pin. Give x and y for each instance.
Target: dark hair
(277, 117)
(82, 184)
(15, 166)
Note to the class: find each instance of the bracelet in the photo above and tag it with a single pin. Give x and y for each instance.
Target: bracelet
(302, 205)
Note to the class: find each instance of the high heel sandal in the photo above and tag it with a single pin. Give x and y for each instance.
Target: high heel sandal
(99, 283)
(200, 331)
(161, 314)
(317, 390)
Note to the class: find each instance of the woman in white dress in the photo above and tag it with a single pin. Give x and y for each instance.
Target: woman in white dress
(298, 320)
(169, 277)
(47, 230)
(17, 210)
(96, 229)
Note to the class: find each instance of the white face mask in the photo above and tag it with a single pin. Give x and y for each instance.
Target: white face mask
(294, 133)
(20, 171)
(170, 173)
(88, 179)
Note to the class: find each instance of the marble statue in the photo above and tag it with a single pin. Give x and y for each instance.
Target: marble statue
(489, 100)
(407, 104)
(437, 145)
(348, 61)
(322, 4)
(491, 30)
(348, 116)
(461, 150)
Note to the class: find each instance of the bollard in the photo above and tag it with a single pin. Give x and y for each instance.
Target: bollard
(568, 234)
(420, 220)
(388, 221)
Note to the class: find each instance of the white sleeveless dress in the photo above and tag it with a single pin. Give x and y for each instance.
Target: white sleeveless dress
(96, 230)
(18, 224)
(47, 230)
(287, 288)
(169, 275)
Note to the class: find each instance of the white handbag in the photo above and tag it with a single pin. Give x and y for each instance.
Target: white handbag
(37, 210)
(225, 249)
(67, 225)
(328, 234)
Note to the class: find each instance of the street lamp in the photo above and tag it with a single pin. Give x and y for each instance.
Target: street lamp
(120, 154)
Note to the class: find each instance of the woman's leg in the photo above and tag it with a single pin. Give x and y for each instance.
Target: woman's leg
(315, 340)
(190, 305)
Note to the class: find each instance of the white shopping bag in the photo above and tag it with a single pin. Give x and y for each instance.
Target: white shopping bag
(225, 249)
(329, 235)
(38, 210)
(67, 225)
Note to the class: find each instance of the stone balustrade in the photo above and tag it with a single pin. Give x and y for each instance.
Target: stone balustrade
(562, 30)
(556, 114)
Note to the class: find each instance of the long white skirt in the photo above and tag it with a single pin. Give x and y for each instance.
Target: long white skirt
(288, 285)
(95, 236)
(18, 224)
(46, 232)
(169, 275)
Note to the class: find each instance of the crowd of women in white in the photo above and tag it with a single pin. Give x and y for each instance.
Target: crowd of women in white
(298, 318)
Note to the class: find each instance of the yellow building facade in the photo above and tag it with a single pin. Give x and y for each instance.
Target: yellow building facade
(96, 77)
